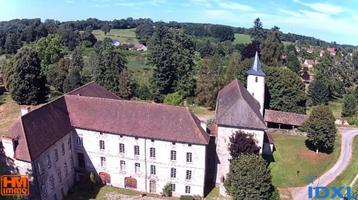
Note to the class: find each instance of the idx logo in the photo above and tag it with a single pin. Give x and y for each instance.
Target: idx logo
(331, 192)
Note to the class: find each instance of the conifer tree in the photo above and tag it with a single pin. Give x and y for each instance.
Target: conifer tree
(108, 65)
(272, 49)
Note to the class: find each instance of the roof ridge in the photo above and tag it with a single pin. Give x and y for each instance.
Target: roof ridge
(129, 101)
(82, 86)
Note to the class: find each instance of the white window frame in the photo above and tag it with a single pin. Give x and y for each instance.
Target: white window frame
(173, 155)
(103, 161)
(188, 174)
(189, 157)
(153, 170)
(173, 172)
(187, 189)
(102, 145)
(137, 168)
(122, 148)
(136, 150)
(122, 166)
(152, 152)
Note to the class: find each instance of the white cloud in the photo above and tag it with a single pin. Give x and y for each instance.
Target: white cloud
(234, 6)
(218, 14)
(125, 4)
(322, 7)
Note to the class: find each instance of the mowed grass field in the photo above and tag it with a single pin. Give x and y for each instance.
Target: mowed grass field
(242, 38)
(335, 106)
(292, 155)
(9, 112)
(123, 35)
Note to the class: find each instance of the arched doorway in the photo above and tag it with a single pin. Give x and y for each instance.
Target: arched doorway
(152, 186)
(130, 182)
(105, 178)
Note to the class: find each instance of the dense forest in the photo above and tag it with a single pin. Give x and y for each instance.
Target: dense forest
(185, 62)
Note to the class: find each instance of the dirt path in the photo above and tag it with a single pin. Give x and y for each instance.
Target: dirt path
(348, 134)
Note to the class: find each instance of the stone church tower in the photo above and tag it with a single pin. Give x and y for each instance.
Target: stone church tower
(256, 82)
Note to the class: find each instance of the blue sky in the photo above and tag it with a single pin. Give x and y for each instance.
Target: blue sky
(330, 20)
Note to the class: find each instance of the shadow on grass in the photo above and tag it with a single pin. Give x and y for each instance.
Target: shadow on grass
(269, 158)
(312, 147)
(83, 190)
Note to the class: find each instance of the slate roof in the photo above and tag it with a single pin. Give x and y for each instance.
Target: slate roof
(256, 68)
(287, 118)
(237, 108)
(38, 130)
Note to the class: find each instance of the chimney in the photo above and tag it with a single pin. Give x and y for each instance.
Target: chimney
(25, 109)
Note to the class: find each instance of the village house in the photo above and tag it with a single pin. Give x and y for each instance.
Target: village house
(116, 43)
(309, 63)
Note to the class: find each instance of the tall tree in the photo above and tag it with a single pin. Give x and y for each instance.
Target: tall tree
(242, 143)
(144, 31)
(321, 130)
(318, 92)
(50, 50)
(57, 73)
(285, 90)
(72, 81)
(172, 53)
(250, 50)
(293, 63)
(124, 85)
(109, 64)
(249, 178)
(106, 28)
(349, 105)
(209, 81)
(28, 84)
(272, 49)
(77, 59)
(257, 32)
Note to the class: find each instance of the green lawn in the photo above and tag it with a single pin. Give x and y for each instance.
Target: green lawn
(351, 171)
(291, 155)
(215, 195)
(123, 35)
(99, 193)
(242, 38)
(335, 106)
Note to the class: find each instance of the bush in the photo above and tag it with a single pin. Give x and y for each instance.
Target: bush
(173, 99)
(352, 121)
(186, 197)
(167, 190)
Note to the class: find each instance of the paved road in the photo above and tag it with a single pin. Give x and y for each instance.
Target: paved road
(347, 135)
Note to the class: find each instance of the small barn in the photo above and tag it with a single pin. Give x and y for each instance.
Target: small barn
(286, 120)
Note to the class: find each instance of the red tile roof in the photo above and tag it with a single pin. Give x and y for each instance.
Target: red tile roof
(237, 108)
(137, 119)
(41, 128)
(92, 89)
(287, 118)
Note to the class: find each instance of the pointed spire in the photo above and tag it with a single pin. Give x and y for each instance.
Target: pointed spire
(256, 67)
